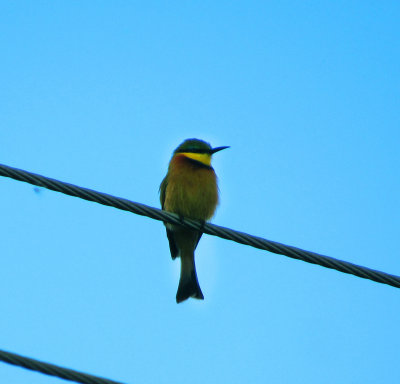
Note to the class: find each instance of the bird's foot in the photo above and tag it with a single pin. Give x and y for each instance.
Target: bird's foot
(202, 225)
(181, 218)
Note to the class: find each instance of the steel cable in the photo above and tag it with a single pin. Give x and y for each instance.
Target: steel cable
(52, 370)
(211, 229)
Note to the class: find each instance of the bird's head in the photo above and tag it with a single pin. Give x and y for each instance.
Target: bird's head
(197, 150)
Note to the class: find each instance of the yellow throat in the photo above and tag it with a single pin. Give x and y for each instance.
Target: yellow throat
(204, 158)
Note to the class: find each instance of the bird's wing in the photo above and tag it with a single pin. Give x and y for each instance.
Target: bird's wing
(163, 188)
(170, 234)
(172, 244)
(200, 234)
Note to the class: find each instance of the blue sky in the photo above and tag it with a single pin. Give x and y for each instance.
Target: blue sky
(99, 94)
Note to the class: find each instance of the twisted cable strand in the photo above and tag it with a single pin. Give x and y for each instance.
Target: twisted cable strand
(211, 229)
(52, 370)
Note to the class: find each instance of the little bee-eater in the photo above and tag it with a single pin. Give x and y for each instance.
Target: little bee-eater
(190, 190)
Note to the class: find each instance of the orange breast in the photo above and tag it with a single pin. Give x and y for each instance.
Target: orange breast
(192, 189)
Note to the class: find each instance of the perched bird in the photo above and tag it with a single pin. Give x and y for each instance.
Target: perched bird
(190, 190)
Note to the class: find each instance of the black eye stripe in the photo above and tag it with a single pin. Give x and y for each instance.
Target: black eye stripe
(193, 150)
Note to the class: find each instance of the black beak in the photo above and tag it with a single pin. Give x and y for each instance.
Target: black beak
(217, 149)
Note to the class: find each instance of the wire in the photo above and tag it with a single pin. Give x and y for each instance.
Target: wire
(211, 229)
(52, 370)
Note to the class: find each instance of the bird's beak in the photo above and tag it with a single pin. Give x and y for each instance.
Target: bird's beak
(217, 149)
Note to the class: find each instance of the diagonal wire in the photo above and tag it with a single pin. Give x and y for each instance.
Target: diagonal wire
(52, 370)
(211, 229)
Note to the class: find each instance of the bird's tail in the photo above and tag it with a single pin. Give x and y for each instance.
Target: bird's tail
(188, 283)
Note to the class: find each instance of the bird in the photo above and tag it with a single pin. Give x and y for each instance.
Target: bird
(190, 190)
